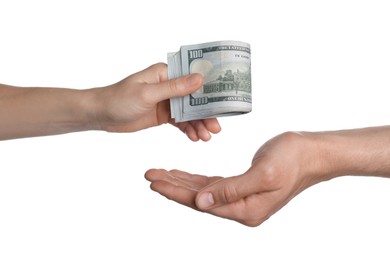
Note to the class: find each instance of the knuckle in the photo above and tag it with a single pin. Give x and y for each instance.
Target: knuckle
(160, 65)
(173, 85)
(159, 70)
(228, 194)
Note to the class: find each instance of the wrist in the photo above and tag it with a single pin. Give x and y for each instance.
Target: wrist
(90, 108)
(311, 155)
(327, 149)
(103, 109)
(319, 156)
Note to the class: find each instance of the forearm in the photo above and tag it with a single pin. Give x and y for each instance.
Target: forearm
(26, 112)
(359, 152)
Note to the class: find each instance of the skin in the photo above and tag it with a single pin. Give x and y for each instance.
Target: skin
(281, 169)
(137, 102)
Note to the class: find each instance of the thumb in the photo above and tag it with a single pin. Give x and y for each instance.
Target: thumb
(227, 190)
(178, 87)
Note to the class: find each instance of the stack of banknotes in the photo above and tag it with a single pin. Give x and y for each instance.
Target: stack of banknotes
(226, 70)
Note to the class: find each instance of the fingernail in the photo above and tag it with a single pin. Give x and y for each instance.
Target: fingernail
(192, 79)
(205, 200)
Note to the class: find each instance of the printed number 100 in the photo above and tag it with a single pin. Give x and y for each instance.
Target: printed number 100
(194, 54)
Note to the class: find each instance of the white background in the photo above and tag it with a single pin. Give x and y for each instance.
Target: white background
(316, 65)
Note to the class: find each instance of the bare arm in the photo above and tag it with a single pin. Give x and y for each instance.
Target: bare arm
(28, 112)
(364, 151)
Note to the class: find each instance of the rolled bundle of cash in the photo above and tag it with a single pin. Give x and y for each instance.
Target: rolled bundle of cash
(226, 70)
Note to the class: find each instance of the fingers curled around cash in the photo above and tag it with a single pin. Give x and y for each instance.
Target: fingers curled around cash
(199, 129)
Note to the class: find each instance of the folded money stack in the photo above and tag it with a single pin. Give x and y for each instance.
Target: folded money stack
(226, 70)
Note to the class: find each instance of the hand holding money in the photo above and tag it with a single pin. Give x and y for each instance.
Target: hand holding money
(226, 70)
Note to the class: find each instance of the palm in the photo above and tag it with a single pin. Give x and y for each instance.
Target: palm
(179, 186)
(183, 188)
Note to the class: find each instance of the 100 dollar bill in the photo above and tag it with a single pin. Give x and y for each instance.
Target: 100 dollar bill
(226, 70)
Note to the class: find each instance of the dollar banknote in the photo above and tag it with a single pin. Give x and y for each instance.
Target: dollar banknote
(226, 70)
